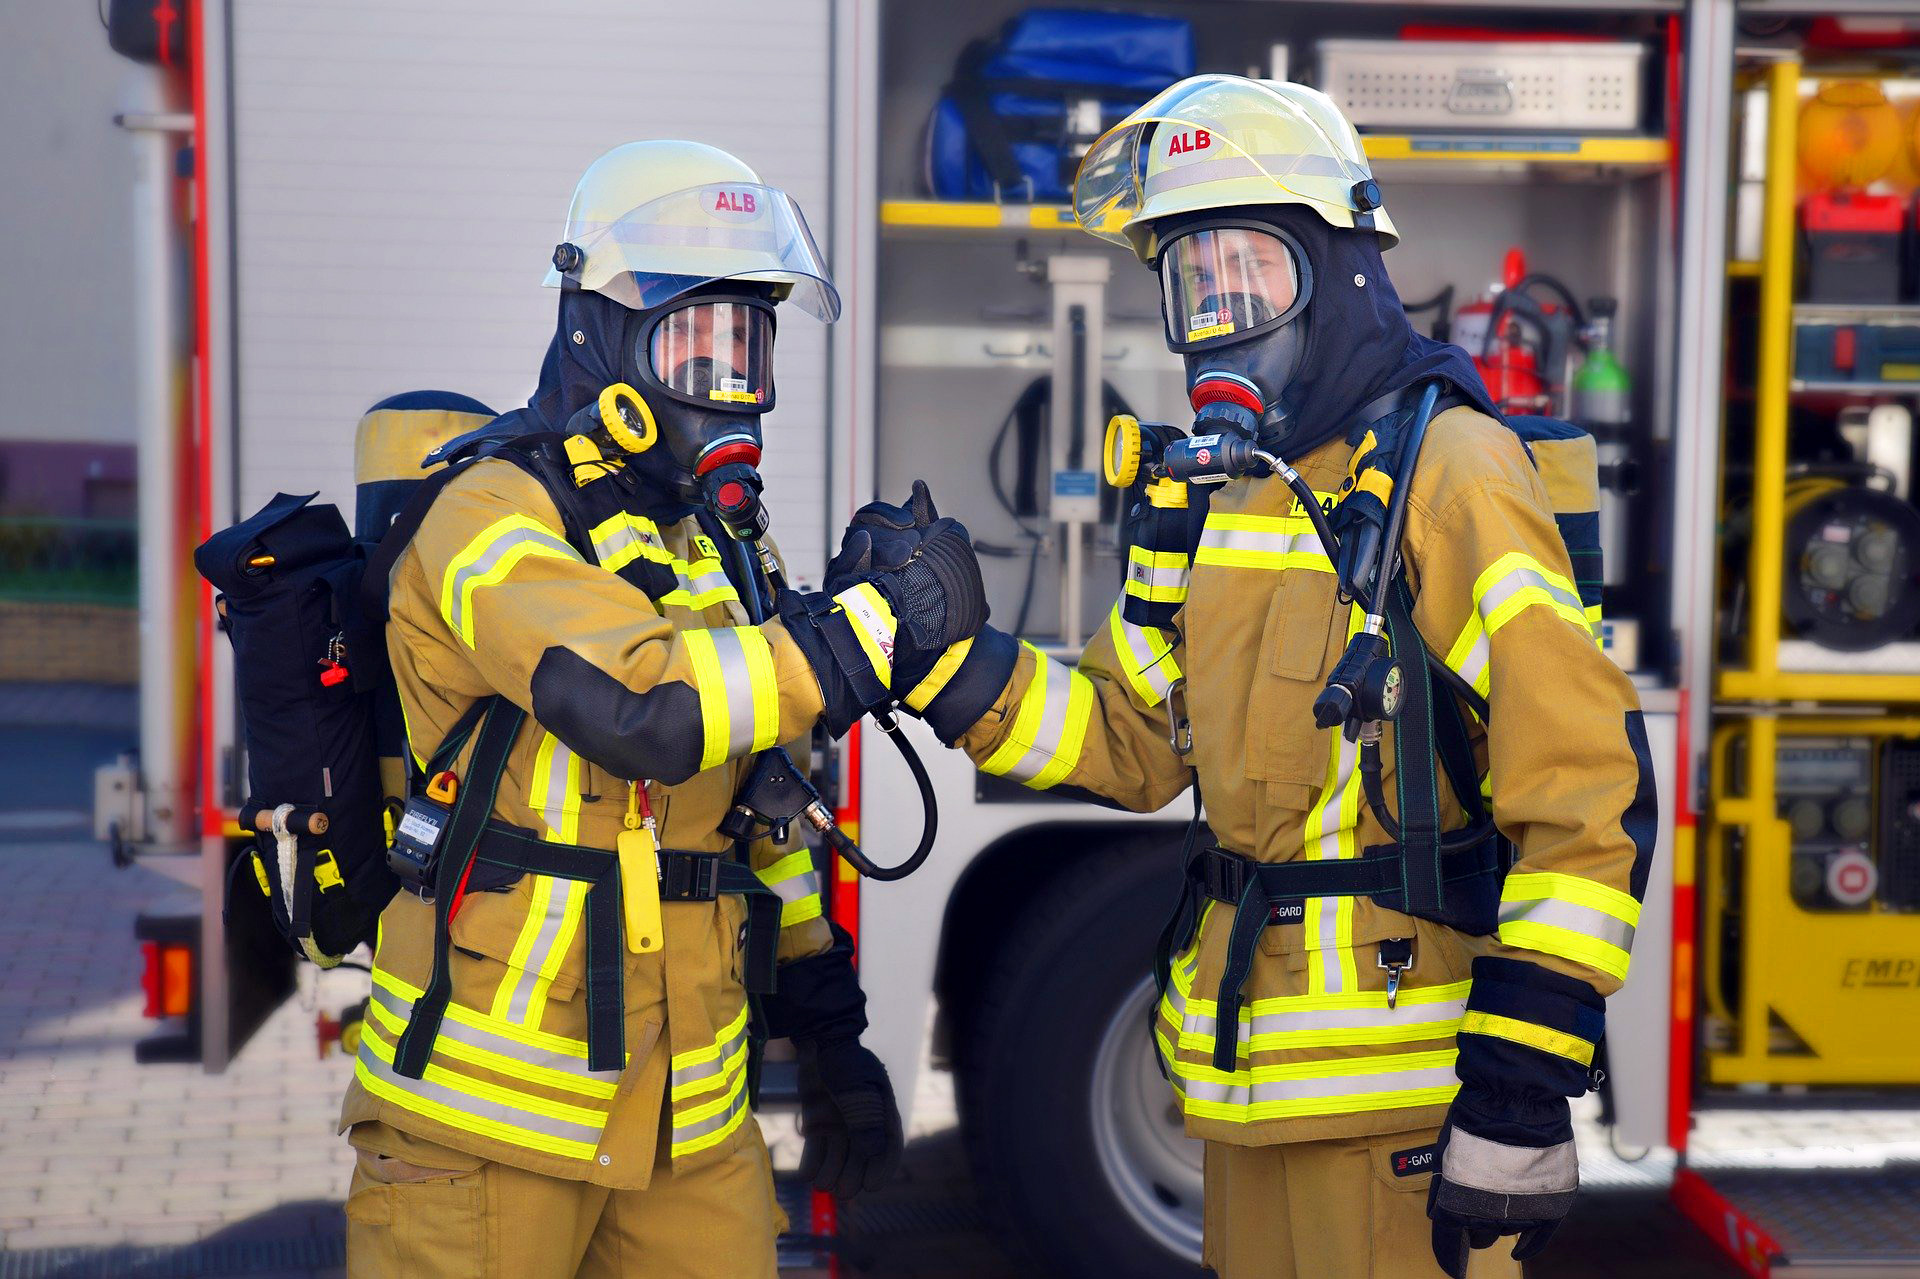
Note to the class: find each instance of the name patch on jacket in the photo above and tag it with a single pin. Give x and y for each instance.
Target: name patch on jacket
(1411, 1163)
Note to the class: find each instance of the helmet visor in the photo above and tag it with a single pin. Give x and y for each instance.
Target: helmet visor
(1221, 283)
(679, 242)
(715, 353)
(1216, 141)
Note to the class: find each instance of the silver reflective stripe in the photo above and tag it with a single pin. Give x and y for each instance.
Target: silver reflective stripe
(736, 679)
(1305, 542)
(475, 1037)
(683, 1075)
(1163, 577)
(1475, 664)
(714, 579)
(1241, 165)
(684, 1133)
(1441, 1016)
(1518, 580)
(1148, 655)
(1328, 845)
(798, 888)
(1053, 723)
(527, 979)
(497, 1111)
(1571, 916)
(1270, 1090)
(629, 541)
(1500, 1169)
(558, 793)
(456, 616)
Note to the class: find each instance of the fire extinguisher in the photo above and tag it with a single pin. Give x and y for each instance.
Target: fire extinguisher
(1518, 343)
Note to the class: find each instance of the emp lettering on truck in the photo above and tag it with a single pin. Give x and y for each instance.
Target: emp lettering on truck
(1882, 972)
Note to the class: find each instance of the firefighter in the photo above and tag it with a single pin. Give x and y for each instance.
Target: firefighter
(553, 1076)
(1378, 1091)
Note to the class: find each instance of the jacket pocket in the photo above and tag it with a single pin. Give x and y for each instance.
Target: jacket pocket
(537, 929)
(1296, 651)
(404, 1221)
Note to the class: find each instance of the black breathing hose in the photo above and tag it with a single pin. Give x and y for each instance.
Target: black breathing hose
(758, 610)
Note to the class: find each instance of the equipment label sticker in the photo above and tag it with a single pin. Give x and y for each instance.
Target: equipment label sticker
(416, 825)
(1202, 325)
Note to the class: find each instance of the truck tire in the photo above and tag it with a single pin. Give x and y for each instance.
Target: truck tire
(1074, 1138)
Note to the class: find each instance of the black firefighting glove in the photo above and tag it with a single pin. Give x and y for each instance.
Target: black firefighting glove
(866, 656)
(848, 1118)
(1505, 1163)
(961, 684)
(880, 536)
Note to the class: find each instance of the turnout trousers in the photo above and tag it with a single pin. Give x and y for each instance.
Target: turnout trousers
(1351, 1208)
(420, 1210)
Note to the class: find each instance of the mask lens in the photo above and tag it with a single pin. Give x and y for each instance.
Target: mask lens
(717, 352)
(1225, 281)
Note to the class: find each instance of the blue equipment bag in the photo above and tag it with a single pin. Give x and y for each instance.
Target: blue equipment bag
(1023, 107)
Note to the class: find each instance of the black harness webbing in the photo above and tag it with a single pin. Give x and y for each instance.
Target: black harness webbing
(1255, 889)
(1415, 748)
(471, 837)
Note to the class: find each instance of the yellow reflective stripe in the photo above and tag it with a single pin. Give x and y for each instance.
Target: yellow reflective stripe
(695, 1056)
(446, 1045)
(1043, 745)
(1597, 624)
(793, 878)
(1545, 1038)
(466, 1121)
(711, 686)
(544, 1040)
(764, 682)
(555, 793)
(734, 1109)
(623, 538)
(1150, 673)
(553, 917)
(1549, 939)
(1510, 585)
(873, 624)
(480, 1088)
(1533, 884)
(487, 559)
(1571, 917)
(1159, 577)
(729, 1067)
(1344, 1085)
(702, 584)
(801, 910)
(942, 673)
(1329, 834)
(733, 671)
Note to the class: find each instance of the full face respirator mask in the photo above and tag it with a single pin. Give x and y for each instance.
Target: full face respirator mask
(1232, 293)
(696, 377)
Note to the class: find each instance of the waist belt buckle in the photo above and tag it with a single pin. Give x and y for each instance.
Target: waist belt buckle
(1224, 875)
(690, 877)
(1396, 956)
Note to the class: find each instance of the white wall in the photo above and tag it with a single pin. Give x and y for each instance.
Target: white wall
(402, 172)
(65, 331)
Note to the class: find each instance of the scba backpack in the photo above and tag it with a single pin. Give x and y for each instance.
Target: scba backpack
(326, 754)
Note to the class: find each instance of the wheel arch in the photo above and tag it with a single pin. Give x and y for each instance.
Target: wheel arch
(993, 892)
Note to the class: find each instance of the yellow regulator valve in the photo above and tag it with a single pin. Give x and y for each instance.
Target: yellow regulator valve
(627, 418)
(1121, 454)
